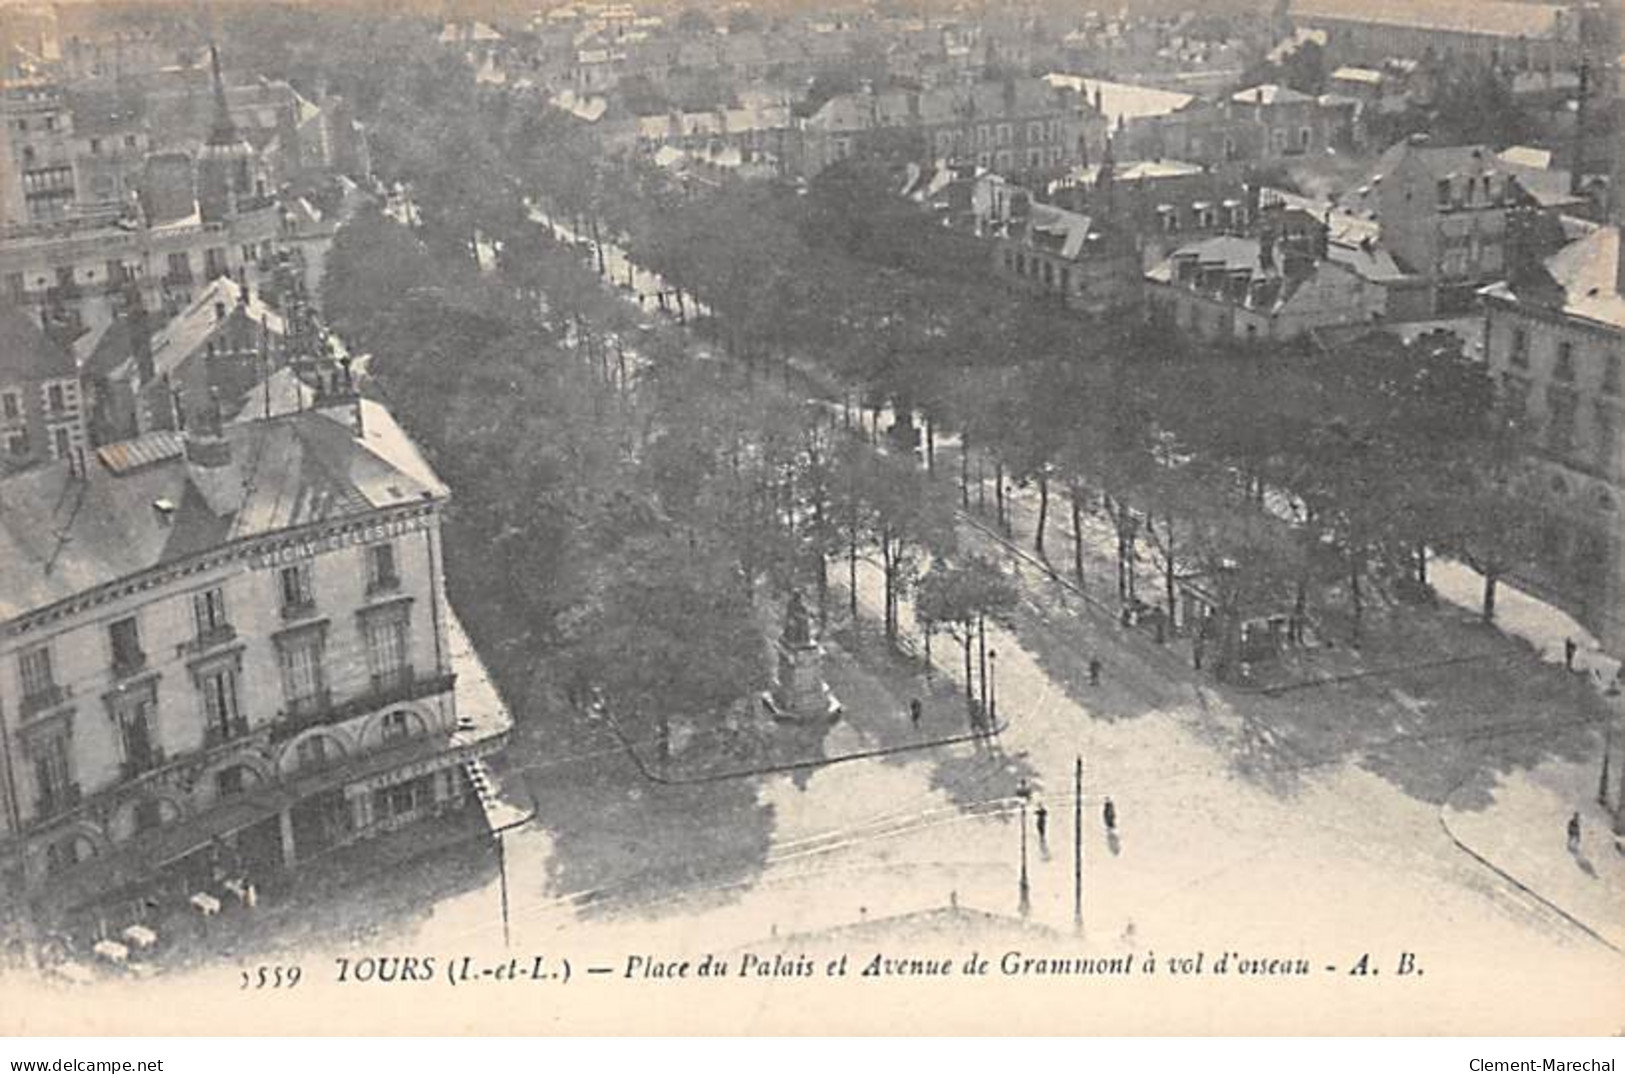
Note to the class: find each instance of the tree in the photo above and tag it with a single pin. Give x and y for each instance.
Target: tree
(670, 636)
(960, 598)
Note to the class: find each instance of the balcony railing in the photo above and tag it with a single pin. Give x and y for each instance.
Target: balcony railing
(383, 583)
(55, 802)
(299, 609)
(42, 700)
(132, 767)
(216, 734)
(128, 664)
(384, 692)
(212, 637)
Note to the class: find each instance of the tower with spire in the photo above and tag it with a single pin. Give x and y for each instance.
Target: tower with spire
(226, 161)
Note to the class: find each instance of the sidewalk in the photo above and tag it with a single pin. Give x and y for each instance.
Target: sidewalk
(1522, 836)
(874, 690)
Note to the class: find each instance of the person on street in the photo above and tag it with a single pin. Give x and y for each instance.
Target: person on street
(1108, 813)
(1041, 821)
(1094, 671)
(1569, 649)
(1574, 834)
(914, 711)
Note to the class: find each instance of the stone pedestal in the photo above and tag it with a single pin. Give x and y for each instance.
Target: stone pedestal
(800, 692)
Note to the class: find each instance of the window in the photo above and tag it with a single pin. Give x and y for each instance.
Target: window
(129, 141)
(381, 574)
(1563, 369)
(1278, 139)
(11, 406)
(62, 441)
(17, 444)
(95, 145)
(39, 680)
(222, 719)
(53, 772)
(396, 726)
(1005, 133)
(304, 681)
(1560, 424)
(312, 752)
(209, 612)
(1443, 193)
(294, 586)
(1035, 132)
(1306, 137)
(179, 267)
(230, 782)
(1520, 346)
(125, 637)
(135, 714)
(388, 651)
(1605, 434)
(148, 814)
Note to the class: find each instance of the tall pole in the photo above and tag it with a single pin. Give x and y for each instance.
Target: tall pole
(1077, 844)
(981, 658)
(502, 875)
(1026, 903)
(993, 687)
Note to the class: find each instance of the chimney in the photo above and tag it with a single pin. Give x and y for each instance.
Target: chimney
(209, 461)
(1577, 165)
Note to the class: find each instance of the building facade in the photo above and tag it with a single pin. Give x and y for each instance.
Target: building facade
(1530, 36)
(42, 413)
(254, 664)
(1555, 347)
(1255, 289)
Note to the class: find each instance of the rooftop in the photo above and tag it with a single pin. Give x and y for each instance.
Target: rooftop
(1269, 93)
(1498, 17)
(1123, 101)
(61, 535)
(26, 352)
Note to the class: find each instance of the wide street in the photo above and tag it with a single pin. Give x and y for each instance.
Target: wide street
(1306, 825)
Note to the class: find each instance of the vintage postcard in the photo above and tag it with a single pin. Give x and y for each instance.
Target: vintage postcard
(811, 516)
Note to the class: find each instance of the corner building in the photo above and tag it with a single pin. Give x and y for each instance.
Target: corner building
(221, 652)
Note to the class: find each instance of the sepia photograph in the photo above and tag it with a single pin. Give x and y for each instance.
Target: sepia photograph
(812, 517)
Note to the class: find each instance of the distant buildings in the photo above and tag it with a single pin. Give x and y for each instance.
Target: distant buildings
(1276, 286)
(42, 409)
(1257, 125)
(1083, 261)
(1015, 125)
(1505, 33)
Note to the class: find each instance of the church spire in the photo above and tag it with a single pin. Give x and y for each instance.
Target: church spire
(224, 131)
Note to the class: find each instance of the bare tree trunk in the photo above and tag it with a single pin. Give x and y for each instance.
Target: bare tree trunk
(1077, 535)
(998, 494)
(1168, 573)
(981, 659)
(1356, 597)
(970, 691)
(964, 473)
(1043, 511)
(852, 574)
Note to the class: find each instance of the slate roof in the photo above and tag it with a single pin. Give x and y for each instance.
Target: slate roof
(1499, 17)
(1122, 101)
(26, 352)
(61, 535)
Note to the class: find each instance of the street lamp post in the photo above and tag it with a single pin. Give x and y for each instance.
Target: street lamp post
(1025, 896)
(993, 687)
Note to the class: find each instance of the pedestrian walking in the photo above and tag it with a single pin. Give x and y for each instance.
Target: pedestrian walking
(1041, 822)
(1108, 813)
(914, 711)
(1094, 671)
(1574, 834)
(1569, 649)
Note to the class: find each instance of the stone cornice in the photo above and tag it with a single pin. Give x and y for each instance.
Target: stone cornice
(350, 529)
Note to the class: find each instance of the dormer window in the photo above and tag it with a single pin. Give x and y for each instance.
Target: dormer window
(1444, 193)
